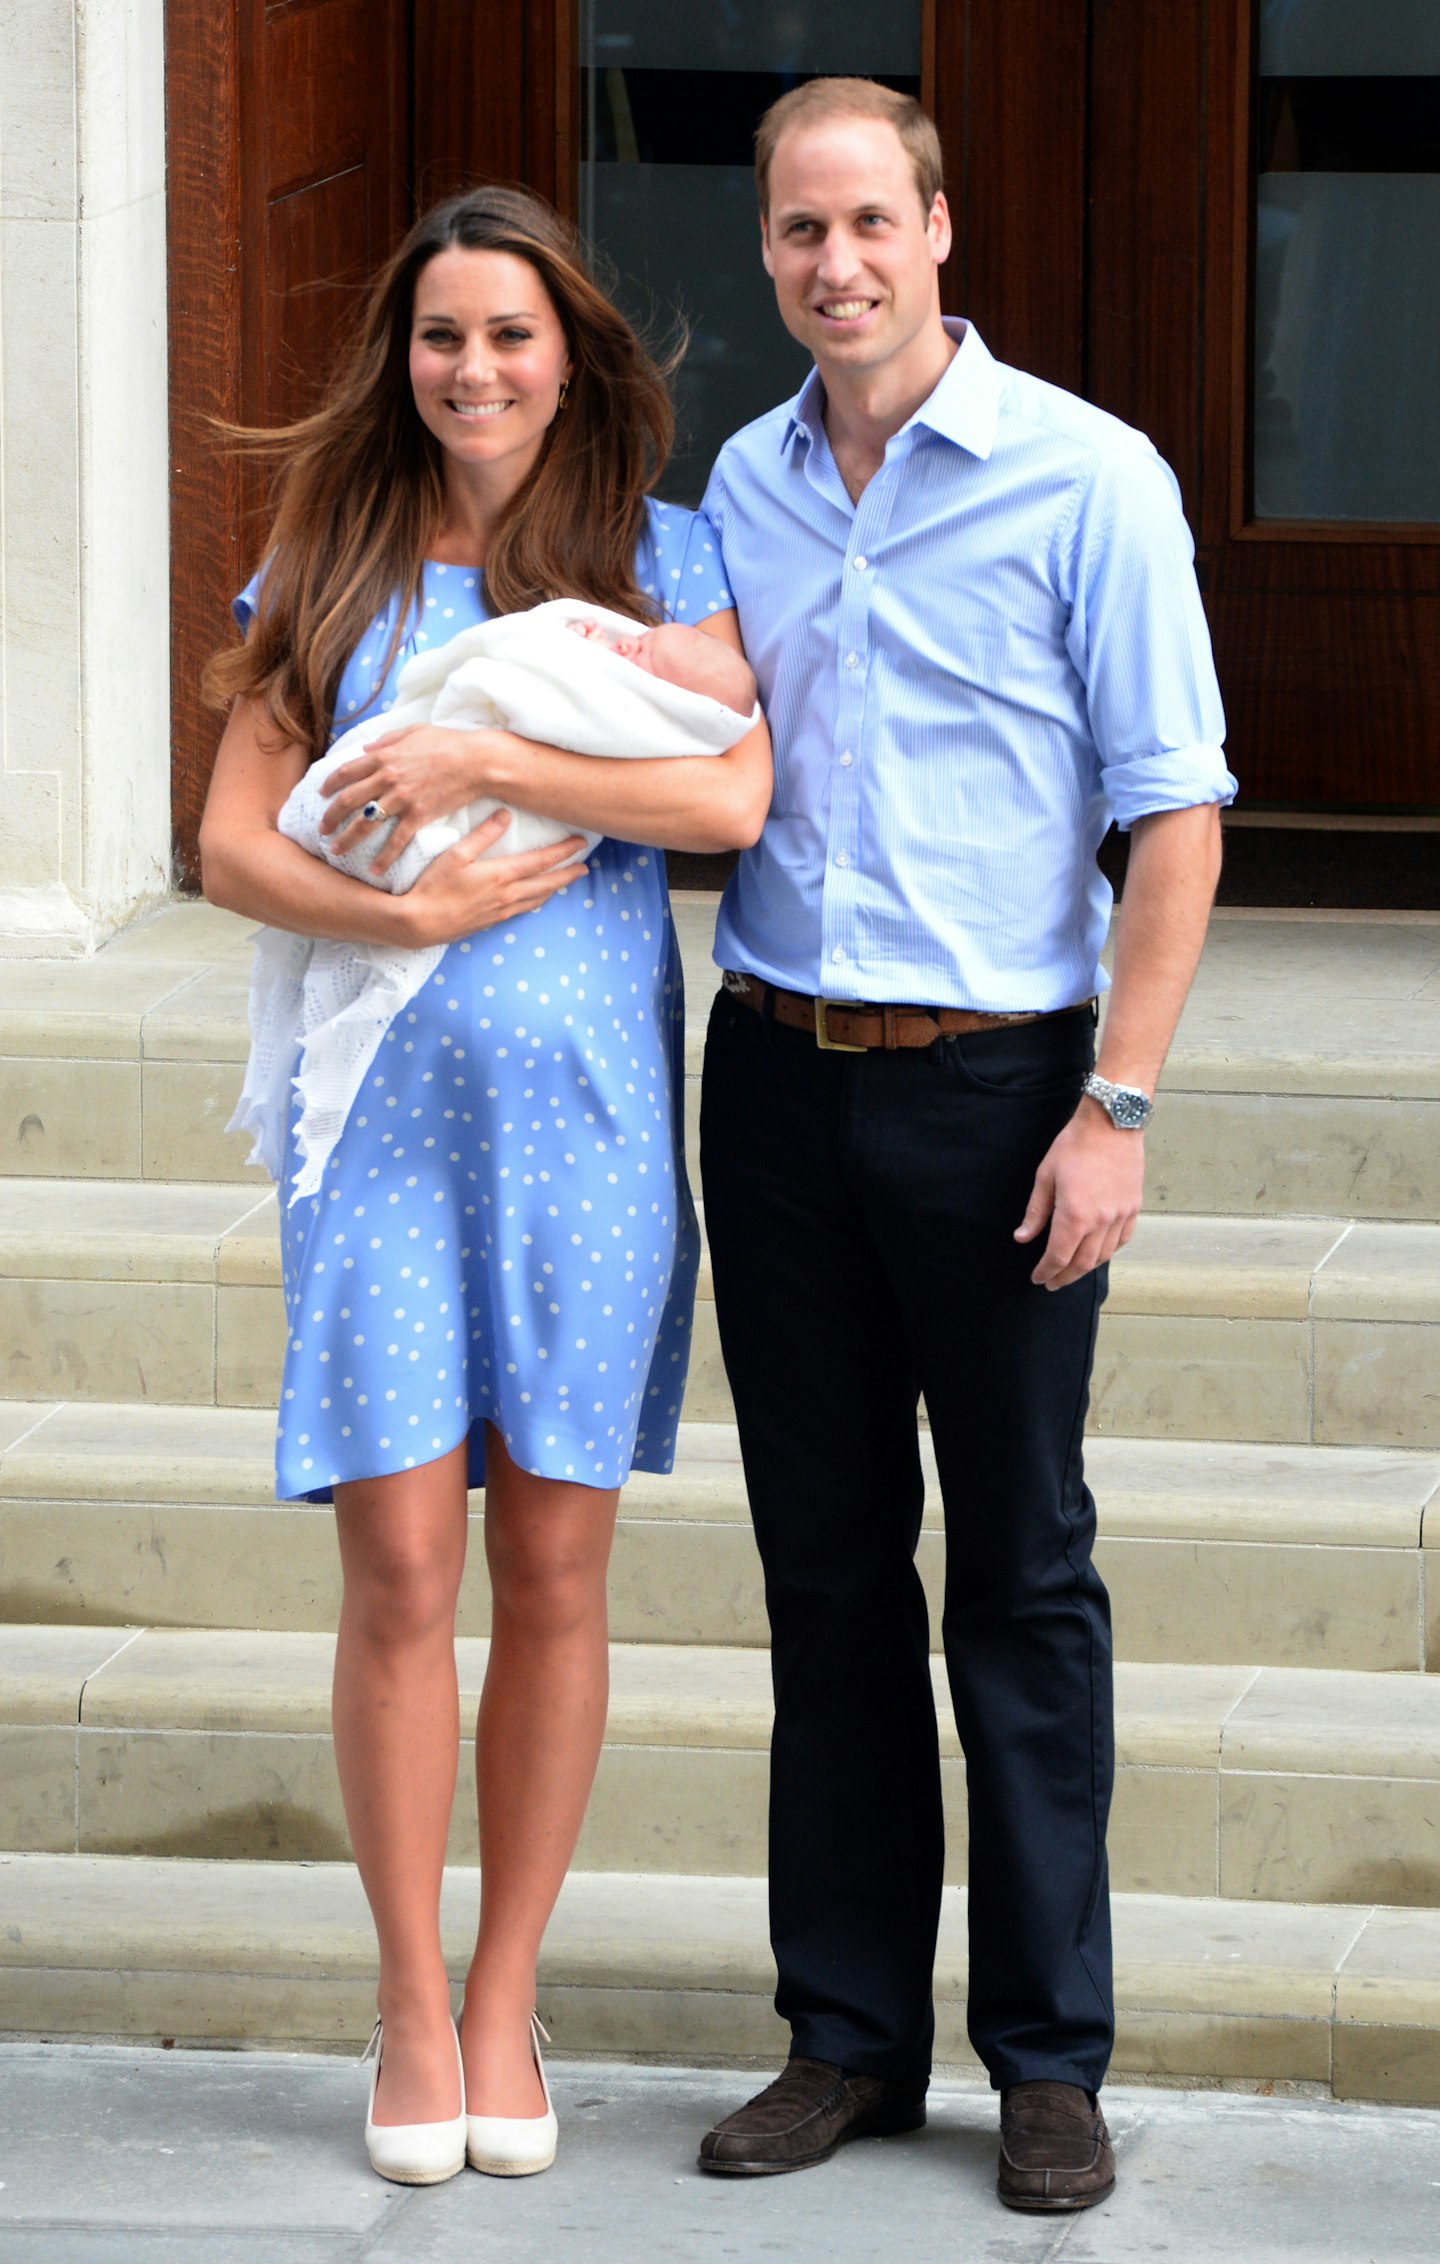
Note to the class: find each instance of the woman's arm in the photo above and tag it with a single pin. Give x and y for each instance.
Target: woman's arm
(698, 802)
(248, 866)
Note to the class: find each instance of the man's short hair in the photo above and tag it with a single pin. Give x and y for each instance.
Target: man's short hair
(820, 99)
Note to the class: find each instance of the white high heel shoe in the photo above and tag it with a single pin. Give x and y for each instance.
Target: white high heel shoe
(414, 2153)
(515, 2146)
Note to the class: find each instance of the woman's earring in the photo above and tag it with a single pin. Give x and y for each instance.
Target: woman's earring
(564, 392)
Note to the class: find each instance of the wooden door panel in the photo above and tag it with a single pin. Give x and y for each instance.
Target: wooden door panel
(1332, 698)
(317, 245)
(1331, 561)
(495, 93)
(320, 80)
(1145, 280)
(288, 147)
(1010, 102)
(324, 129)
(468, 124)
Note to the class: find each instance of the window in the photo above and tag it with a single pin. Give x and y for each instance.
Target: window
(1346, 401)
(670, 99)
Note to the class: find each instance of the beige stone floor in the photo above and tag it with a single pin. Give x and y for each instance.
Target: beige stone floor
(1286, 1002)
(1282, 1002)
(1342, 1996)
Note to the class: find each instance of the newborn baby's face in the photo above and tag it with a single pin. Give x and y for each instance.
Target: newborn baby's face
(682, 656)
(638, 650)
(635, 648)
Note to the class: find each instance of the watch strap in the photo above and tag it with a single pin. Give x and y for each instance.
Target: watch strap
(1128, 1107)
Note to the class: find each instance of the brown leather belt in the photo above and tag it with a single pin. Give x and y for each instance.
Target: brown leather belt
(848, 1026)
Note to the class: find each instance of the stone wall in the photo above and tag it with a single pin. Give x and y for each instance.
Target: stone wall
(84, 522)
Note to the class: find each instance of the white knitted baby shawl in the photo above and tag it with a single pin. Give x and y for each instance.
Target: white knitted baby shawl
(524, 672)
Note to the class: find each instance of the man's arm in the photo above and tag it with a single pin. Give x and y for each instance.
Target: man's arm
(1090, 1183)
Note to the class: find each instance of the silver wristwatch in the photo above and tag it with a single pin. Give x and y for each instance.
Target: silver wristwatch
(1128, 1109)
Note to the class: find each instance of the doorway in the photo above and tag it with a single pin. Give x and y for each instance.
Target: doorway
(1154, 207)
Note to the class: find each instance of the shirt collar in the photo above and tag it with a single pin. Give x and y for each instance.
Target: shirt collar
(964, 407)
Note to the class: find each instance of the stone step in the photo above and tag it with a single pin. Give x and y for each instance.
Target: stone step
(138, 1950)
(1282, 1331)
(1305, 1076)
(1214, 1554)
(127, 1065)
(135, 1289)
(1282, 1784)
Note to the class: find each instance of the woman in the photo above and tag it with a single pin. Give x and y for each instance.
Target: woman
(495, 1277)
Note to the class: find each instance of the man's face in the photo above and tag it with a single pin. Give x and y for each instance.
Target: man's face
(851, 248)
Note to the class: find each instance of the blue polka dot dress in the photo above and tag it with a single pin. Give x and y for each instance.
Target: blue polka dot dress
(504, 1232)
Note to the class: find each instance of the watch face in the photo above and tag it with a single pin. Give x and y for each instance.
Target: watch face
(1129, 1109)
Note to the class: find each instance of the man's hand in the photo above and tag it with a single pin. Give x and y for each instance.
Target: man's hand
(1089, 1186)
(1090, 1183)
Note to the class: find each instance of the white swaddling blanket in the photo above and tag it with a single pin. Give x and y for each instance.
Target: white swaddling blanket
(524, 672)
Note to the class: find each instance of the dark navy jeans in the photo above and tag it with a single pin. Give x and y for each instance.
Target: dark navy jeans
(860, 1211)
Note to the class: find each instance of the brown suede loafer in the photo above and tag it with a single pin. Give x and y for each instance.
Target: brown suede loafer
(800, 2119)
(1055, 2151)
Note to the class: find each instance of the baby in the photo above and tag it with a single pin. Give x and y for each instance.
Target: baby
(522, 672)
(684, 656)
(567, 674)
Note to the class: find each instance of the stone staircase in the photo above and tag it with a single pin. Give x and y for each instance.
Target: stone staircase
(1265, 1449)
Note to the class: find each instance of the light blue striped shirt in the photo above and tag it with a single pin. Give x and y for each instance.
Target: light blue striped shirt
(968, 674)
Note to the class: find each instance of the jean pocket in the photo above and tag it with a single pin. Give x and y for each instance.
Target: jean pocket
(727, 1020)
(1025, 1061)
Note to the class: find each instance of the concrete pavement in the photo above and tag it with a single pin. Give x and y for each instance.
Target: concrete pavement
(117, 2156)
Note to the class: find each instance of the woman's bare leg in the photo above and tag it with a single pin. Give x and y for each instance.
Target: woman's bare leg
(396, 1717)
(542, 1717)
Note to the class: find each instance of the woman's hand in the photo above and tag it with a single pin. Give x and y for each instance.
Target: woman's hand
(464, 889)
(417, 774)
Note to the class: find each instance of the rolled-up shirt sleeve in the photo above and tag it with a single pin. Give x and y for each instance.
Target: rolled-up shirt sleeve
(1139, 640)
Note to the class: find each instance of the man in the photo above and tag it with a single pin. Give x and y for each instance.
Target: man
(971, 605)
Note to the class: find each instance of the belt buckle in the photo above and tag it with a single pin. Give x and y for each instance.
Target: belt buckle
(823, 1039)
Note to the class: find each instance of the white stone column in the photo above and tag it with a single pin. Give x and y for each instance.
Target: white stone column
(84, 511)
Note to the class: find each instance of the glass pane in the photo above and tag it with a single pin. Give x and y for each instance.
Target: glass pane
(670, 102)
(1346, 257)
(1349, 38)
(793, 36)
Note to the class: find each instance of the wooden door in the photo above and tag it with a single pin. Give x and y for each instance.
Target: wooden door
(1101, 162)
(494, 97)
(304, 135)
(1327, 633)
(288, 126)
(1009, 100)
(1104, 160)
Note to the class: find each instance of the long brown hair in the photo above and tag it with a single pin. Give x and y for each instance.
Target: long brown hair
(361, 485)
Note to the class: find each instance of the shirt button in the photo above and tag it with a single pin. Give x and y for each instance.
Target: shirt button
(852, 660)
(861, 564)
(846, 760)
(837, 954)
(842, 859)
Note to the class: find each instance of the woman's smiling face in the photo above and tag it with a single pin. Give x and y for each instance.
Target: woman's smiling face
(487, 357)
